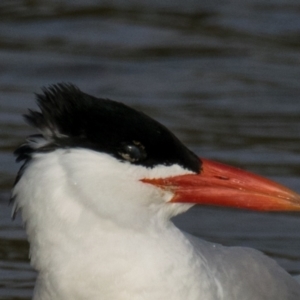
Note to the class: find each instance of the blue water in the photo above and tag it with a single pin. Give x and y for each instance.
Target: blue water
(223, 76)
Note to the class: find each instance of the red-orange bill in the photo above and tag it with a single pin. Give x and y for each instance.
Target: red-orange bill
(223, 185)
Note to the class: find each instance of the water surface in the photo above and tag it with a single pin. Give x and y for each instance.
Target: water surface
(223, 76)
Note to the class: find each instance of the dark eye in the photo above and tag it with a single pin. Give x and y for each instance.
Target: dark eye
(133, 152)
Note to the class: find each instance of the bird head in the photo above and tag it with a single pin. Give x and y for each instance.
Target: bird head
(114, 159)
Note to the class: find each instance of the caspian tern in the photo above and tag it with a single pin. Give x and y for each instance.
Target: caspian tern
(97, 190)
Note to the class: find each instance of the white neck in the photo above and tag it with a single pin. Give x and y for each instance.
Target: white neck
(81, 252)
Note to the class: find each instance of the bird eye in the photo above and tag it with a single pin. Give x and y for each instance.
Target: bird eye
(133, 152)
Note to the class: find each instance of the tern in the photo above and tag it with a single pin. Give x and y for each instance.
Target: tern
(97, 190)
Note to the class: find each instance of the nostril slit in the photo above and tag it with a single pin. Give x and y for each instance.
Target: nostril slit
(222, 177)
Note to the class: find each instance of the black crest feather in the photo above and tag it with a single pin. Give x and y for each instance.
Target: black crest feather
(69, 118)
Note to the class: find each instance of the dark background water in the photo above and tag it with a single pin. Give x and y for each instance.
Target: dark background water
(223, 75)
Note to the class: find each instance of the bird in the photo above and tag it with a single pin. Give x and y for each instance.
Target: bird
(98, 187)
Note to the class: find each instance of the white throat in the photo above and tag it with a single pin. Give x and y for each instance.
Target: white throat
(97, 232)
